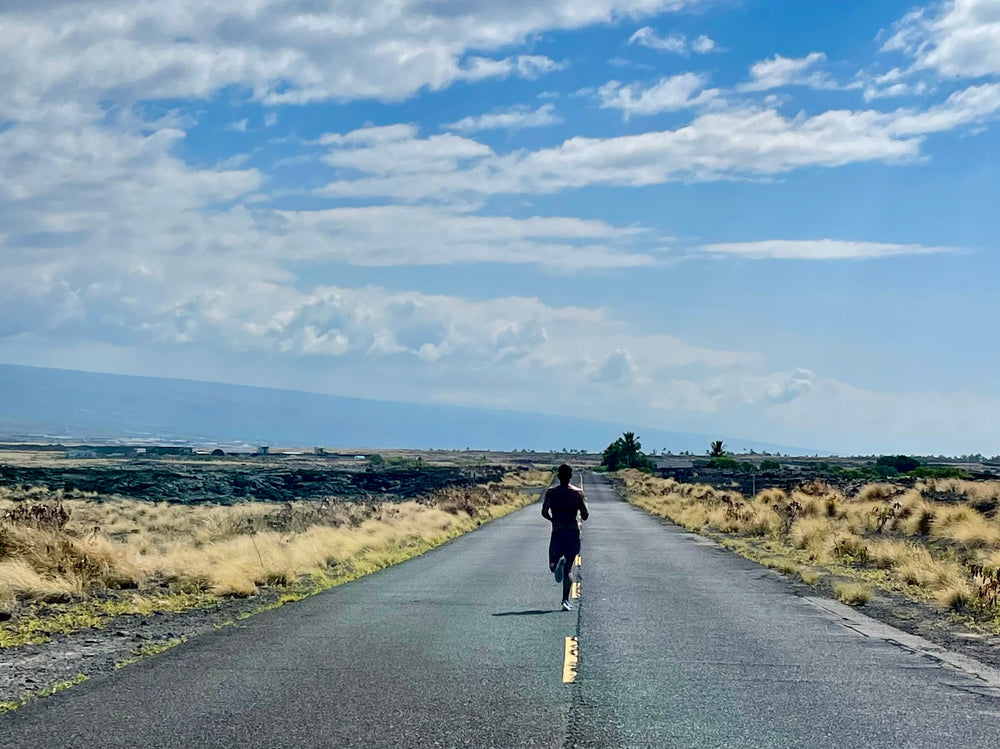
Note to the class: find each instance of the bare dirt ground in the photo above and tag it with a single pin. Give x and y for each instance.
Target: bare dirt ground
(28, 669)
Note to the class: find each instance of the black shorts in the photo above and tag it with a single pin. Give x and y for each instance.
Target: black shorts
(565, 542)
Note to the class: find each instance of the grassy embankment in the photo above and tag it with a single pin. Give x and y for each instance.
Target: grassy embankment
(938, 542)
(70, 561)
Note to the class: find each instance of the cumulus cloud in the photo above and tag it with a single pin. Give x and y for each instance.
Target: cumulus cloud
(703, 45)
(955, 39)
(818, 249)
(277, 50)
(667, 94)
(515, 118)
(618, 368)
(779, 71)
(381, 338)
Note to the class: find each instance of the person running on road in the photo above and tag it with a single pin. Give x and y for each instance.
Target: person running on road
(560, 507)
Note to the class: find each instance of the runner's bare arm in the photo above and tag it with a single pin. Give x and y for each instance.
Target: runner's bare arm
(546, 508)
(584, 512)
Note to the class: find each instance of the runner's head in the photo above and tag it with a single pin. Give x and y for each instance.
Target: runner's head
(565, 473)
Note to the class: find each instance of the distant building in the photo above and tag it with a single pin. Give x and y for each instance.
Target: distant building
(673, 461)
(263, 449)
(361, 457)
(79, 453)
(170, 450)
(319, 451)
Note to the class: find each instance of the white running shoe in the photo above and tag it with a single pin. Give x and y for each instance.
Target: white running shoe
(567, 606)
(558, 571)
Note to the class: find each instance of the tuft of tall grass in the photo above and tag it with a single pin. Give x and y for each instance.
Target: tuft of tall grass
(852, 594)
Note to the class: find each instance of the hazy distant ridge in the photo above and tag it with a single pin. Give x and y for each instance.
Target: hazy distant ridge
(83, 405)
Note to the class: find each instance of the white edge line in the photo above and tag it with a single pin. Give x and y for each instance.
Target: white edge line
(865, 625)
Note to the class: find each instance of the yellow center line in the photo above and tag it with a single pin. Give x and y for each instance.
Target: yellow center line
(570, 660)
(578, 561)
(574, 591)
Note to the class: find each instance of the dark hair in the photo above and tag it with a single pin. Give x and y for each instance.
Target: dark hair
(565, 472)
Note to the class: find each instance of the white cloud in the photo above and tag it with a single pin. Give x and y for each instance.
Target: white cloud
(525, 66)
(647, 37)
(956, 38)
(240, 126)
(778, 71)
(675, 43)
(666, 95)
(378, 236)
(515, 118)
(818, 249)
(126, 199)
(896, 82)
(972, 106)
(420, 346)
(703, 45)
(278, 50)
(729, 143)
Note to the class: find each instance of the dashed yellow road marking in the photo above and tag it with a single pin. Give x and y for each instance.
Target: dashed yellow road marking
(570, 660)
(578, 561)
(574, 590)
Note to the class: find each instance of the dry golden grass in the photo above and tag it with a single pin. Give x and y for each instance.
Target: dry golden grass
(125, 545)
(852, 593)
(935, 541)
(809, 577)
(530, 478)
(956, 597)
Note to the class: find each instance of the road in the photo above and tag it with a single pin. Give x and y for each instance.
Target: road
(681, 644)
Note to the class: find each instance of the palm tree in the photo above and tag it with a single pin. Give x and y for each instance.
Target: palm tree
(718, 449)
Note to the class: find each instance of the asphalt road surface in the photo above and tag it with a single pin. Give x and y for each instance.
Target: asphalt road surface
(681, 644)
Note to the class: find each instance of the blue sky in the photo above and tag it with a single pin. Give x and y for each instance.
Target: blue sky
(772, 220)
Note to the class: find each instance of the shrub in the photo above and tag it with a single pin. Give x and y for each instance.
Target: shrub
(938, 472)
(901, 463)
(724, 463)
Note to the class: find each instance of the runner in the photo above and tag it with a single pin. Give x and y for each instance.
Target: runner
(560, 507)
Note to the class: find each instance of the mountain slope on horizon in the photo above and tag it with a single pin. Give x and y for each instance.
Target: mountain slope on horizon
(64, 404)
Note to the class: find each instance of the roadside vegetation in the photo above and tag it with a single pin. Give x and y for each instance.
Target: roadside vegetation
(625, 452)
(937, 541)
(70, 560)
